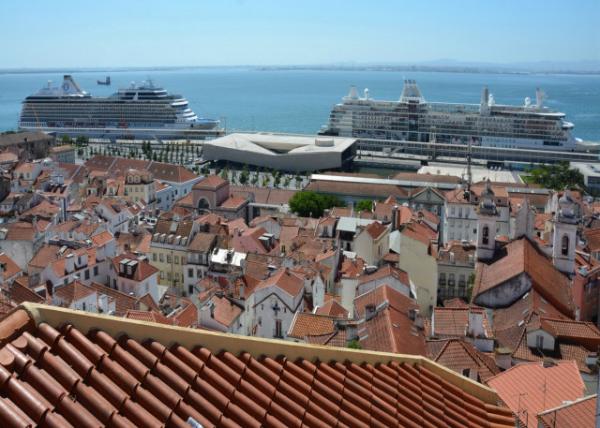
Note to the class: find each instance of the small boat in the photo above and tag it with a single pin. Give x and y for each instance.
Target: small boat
(105, 81)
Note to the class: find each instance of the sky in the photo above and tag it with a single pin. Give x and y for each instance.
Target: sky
(128, 33)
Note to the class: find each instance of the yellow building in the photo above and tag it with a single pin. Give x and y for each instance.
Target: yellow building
(139, 185)
(169, 249)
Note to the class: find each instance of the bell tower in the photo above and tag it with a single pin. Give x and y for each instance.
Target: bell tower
(486, 224)
(564, 239)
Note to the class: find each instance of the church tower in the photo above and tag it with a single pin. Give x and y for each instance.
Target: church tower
(486, 224)
(564, 239)
(523, 223)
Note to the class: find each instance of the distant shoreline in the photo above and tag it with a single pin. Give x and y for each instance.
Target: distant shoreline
(380, 68)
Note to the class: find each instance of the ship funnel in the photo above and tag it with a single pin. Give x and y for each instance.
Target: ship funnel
(353, 94)
(366, 92)
(69, 85)
(484, 106)
(539, 97)
(411, 92)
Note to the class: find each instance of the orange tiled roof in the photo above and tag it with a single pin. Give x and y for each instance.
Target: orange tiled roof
(458, 354)
(125, 373)
(522, 256)
(333, 309)
(563, 328)
(291, 283)
(148, 316)
(376, 229)
(102, 238)
(579, 413)
(233, 202)
(308, 324)
(211, 182)
(453, 322)
(225, 312)
(9, 267)
(386, 271)
(535, 388)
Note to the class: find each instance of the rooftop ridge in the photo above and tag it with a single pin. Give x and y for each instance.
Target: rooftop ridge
(167, 334)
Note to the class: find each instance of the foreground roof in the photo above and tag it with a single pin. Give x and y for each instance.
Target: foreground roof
(580, 413)
(60, 367)
(530, 388)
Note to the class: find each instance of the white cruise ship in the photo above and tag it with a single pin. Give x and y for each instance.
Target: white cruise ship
(138, 111)
(411, 118)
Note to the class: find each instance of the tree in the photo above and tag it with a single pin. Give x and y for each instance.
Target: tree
(354, 344)
(66, 139)
(82, 140)
(311, 204)
(557, 176)
(364, 205)
(243, 178)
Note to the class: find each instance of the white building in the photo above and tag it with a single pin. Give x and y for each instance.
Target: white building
(276, 300)
(134, 275)
(284, 152)
(460, 213)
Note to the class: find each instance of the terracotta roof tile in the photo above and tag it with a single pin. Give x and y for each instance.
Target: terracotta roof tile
(290, 282)
(225, 311)
(263, 195)
(308, 324)
(453, 322)
(533, 388)
(233, 202)
(333, 309)
(9, 267)
(376, 229)
(522, 256)
(579, 413)
(384, 272)
(458, 355)
(211, 182)
(102, 238)
(148, 316)
(144, 376)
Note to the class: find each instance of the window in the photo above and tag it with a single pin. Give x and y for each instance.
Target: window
(162, 275)
(466, 372)
(190, 289)
(95, 270)
(161, 257)
(565, 245)
(86, 274)
(183, 260)
(153, 257)
(442, 279)
(169, 258)
(539, 341)
(485, 235)
(176, 260)
(451, 280)
(278, 332)
(168, 276)
(190, 273)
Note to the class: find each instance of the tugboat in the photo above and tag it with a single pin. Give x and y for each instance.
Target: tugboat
(105, 81)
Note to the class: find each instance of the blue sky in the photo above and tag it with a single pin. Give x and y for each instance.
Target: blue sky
(110, 33)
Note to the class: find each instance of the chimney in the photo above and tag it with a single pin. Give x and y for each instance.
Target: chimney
(394, 217)
(70, 263)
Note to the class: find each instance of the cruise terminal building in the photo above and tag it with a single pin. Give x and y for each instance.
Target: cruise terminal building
(281, 151)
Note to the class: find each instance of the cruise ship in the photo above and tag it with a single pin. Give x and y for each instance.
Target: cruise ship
(411, 118)
(139, 111)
